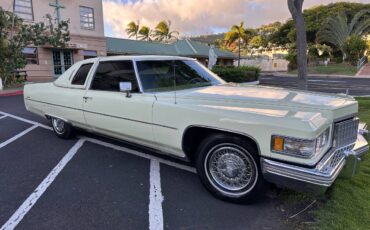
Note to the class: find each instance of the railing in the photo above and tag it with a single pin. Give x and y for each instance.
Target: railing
(361, 62)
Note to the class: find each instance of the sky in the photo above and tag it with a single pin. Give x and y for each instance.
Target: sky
(197, 17)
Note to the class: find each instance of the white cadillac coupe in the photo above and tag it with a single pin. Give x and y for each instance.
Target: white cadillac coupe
(237, 137)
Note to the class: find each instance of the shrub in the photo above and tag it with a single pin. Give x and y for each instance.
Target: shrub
(291, 57)
(355, 47)
(237, 74)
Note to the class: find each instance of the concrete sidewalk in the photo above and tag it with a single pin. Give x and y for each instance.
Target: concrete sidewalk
(364, 71)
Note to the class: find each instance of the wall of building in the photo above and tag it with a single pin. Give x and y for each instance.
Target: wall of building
(71, 12)
(266, 65)
(81, 39)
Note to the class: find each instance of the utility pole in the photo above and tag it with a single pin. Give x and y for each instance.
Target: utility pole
(57, 7)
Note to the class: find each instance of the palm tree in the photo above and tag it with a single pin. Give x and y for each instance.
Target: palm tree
(163, 32)
(145, 33)
(337, 29)
(132, 29)
(238, 34)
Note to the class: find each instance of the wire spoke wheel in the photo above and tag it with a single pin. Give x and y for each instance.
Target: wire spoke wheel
(231, 169)
(59, 125)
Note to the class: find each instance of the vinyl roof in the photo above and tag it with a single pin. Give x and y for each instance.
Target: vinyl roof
(184, 47)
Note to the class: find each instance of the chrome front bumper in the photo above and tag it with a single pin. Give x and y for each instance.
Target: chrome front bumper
(323, 175)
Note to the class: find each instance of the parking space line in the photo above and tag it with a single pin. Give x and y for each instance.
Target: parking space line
(2, 117)
(26, 120)
(5, 143)
(155, 197)
(140, 154)
(32, 199)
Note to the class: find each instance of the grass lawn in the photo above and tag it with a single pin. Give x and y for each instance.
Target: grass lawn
(347, 203)
(339, 69)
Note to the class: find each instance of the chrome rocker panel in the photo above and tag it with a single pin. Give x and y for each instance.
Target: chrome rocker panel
(319, 178)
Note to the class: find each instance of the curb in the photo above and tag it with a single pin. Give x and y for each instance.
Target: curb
(14, 93)
(250, 83)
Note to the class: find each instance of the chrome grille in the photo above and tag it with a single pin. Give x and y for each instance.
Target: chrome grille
(345, 133)
(344, 139)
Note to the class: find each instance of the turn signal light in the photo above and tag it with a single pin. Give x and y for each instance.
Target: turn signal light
(278, 144)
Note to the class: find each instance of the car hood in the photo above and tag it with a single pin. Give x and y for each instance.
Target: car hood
(269, 97)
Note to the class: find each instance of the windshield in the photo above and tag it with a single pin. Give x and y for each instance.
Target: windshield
(165, 75)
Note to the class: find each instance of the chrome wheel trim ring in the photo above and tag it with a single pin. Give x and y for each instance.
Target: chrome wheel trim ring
(58, 125)
(231, 169)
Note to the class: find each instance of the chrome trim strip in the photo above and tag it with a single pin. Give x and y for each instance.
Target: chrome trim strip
(102, 114)
(138, 79)
(129, 119)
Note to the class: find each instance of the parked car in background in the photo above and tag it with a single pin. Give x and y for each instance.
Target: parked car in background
(238, 138)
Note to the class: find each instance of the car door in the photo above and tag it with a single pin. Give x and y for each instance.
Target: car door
(111, 112)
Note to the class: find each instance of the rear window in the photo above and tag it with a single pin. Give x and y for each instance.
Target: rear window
(81, 75)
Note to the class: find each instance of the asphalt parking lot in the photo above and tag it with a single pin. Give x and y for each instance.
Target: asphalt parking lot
(96, 183)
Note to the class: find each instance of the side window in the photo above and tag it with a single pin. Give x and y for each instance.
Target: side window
(81, 75)
(110, 74)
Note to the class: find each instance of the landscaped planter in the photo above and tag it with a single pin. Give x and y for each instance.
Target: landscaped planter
(243, 75)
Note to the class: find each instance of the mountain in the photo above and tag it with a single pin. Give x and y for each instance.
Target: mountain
(208, 39)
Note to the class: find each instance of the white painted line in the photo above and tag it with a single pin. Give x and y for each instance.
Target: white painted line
(5, 143)
(2, 117)
(27, 121)
(332, 81)
(140, 154)
(32, 199)
(155, 197)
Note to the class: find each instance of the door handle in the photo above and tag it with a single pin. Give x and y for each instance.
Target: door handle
(86, 98)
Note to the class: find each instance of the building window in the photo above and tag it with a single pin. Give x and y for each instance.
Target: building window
(87, 18)
(90, 54)
(23, 9)
(30, 53)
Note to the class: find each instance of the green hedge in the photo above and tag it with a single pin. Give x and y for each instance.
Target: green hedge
(237, 74)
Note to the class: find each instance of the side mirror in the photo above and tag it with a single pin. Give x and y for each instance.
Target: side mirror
(125, 87)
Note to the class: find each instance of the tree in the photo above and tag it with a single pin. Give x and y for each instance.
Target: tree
(355, 47)
(314, 18)
(132, 29)
(338, 29)
(295, 8)
(258, 41)
(240, 35)
(163, 33)
(16, 35)
(145, 33)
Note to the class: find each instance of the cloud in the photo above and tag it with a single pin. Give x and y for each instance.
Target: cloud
(193, 17)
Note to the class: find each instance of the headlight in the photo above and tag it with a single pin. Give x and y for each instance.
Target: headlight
(300, 147)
